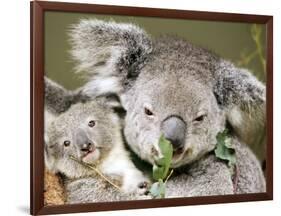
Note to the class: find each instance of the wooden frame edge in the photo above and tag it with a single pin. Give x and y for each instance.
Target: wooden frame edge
(37, 100)
(269, 107)
(37, 9)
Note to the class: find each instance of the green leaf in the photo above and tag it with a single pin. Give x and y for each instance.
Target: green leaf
(224, 150)
(166, 149)
(157, 189)
(161, 169)
(157, 172)
(163, 164)
(154, 189)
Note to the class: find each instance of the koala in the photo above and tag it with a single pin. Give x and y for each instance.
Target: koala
(91, 133)
(186, 93)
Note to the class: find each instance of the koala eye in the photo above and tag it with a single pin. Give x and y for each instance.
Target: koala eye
(91, 123)
(148, 112)
(200, 118)
(66, 143)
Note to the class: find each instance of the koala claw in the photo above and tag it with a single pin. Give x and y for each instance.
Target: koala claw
(143, 188)
(143, 185)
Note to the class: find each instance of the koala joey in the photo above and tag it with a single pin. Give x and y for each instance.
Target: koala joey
(91, 133)
(169, 86)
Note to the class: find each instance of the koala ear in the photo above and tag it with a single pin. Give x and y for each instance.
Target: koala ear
(58, 99)
(110, 53)
(240, 94)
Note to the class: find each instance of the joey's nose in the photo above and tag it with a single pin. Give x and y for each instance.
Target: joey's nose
(86, 147)
(174, 129)
(83, 141)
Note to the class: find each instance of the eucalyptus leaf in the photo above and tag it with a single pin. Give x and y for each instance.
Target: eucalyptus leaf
(167, 153)
(166, 149)
(161, 168)
(158, 172)
(157, 189)
(224, 150)
(154, 189)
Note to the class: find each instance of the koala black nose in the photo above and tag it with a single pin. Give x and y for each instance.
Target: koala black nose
(174, 129)
(83, 141)
(86, 147)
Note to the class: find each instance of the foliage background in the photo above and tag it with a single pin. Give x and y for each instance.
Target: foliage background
(242, 43)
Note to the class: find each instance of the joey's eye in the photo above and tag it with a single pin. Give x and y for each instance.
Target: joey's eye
(91, 123)
(199, 118)
(148, 112)
(66, 143)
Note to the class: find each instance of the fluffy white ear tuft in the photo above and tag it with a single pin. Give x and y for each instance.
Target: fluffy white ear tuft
(109, 53)
(102, 86)
(237, 87)
(242, 96)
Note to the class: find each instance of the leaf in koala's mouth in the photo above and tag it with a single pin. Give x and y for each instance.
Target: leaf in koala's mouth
(163, 164)
(161, 168)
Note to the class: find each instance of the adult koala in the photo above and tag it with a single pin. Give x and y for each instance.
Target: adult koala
(169, 86)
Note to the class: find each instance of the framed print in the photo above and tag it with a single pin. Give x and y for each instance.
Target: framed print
(143, 107)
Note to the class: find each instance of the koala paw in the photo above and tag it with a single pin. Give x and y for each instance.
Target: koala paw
(143, 188)
(137, 184)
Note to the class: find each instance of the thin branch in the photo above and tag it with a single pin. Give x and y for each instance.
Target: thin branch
(256, 35)
(170, 174)
(248, 58)
(96, 170)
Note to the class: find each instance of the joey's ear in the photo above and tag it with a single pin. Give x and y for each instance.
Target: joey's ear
(110, 53)
(58, 99)
(240, 94)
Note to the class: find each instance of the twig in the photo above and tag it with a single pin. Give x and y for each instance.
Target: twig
(96, 170)
(257, 53)
(248, 58)
(169, 176)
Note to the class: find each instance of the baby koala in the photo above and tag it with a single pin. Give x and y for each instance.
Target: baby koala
(91, 133)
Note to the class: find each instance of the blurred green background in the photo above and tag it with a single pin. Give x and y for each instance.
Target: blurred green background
(242, 43)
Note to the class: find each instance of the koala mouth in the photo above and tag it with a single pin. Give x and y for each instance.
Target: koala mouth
(177, 154)
(178, 151)
(88, 152)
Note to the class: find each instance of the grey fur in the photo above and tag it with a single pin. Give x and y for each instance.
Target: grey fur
(171, 77)
(210, 176)
(58, 99)
(104, 148)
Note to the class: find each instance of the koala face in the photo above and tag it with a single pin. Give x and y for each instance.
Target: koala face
(180, 107)
(85, 132)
